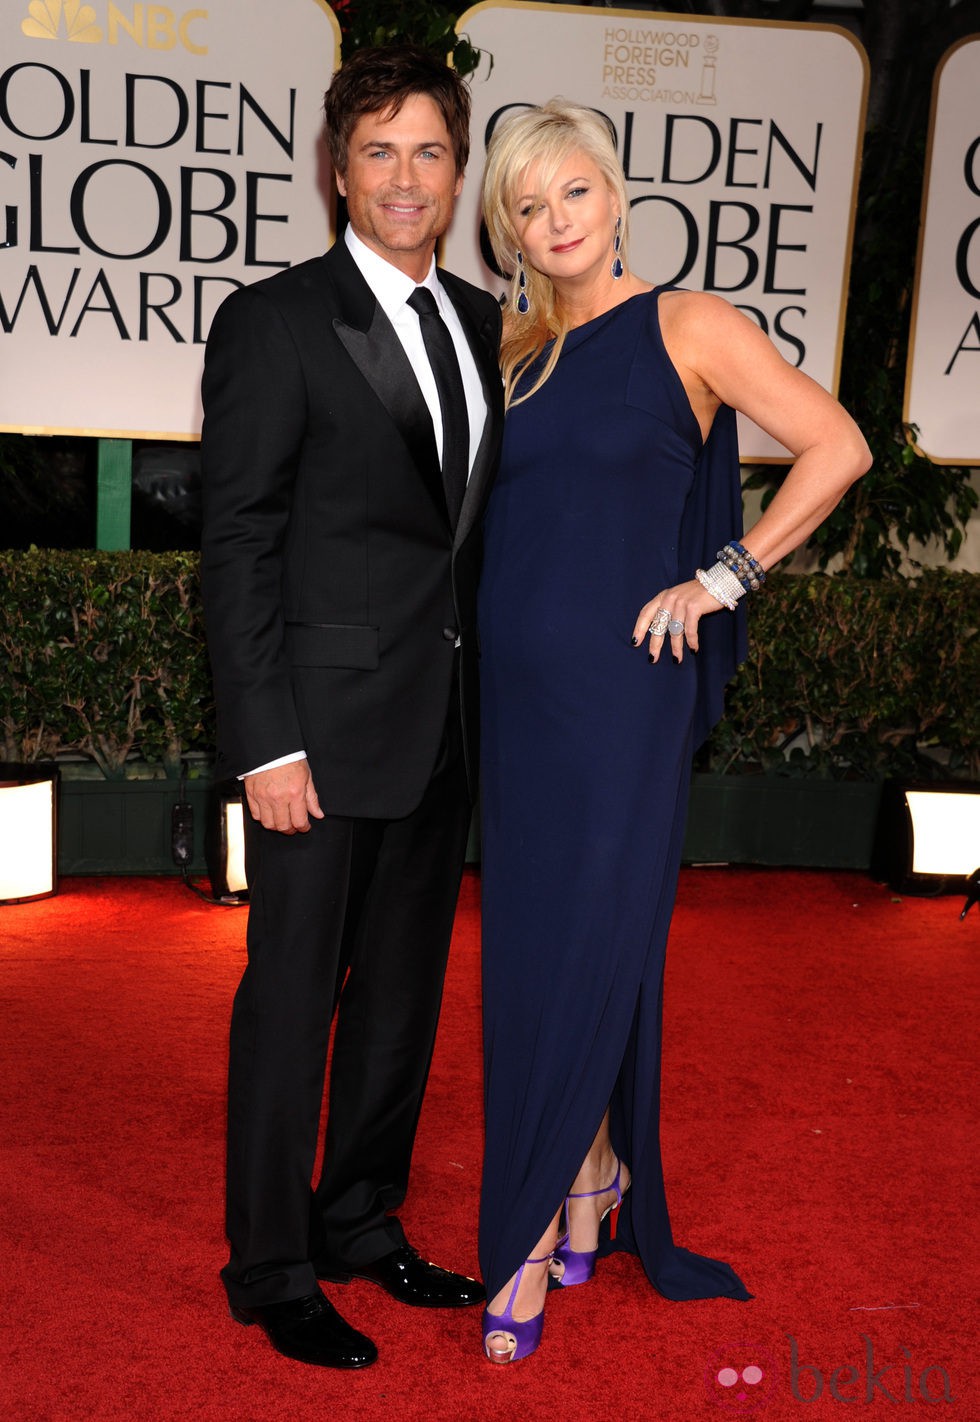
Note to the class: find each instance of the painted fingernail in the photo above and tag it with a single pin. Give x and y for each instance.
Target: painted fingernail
(650, 657)
(677, 660)
(633, 640)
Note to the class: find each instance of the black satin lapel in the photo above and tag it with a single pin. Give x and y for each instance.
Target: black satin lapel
(381, 359)
(478, 484)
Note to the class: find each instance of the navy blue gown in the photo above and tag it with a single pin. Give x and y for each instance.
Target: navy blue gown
(606, 494)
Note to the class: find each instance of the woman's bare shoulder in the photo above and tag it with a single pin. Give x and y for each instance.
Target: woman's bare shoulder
(689, 308)
(697, 324)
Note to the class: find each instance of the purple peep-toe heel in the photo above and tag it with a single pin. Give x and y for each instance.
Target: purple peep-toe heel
(506, 1338)
(578, 1266)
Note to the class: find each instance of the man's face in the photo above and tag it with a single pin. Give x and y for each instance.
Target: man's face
(401, 183)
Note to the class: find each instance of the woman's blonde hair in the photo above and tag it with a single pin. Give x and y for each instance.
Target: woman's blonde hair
(545, 136)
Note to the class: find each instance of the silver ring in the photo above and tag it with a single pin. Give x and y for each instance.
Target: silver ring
(674, 627)
(660, 622)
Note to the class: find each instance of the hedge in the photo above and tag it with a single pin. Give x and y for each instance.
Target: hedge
(105, 656)
(845, 678)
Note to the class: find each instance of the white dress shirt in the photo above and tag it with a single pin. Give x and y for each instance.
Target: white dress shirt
(391, 289)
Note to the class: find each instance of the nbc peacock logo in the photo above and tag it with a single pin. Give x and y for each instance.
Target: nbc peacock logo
(44, 21)
(138, 23)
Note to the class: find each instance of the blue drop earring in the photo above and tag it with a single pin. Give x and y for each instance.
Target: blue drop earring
(617, 261)
(523, 305)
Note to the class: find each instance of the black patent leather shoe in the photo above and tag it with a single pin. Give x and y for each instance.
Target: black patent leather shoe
(310, 1330)
(411, 1280)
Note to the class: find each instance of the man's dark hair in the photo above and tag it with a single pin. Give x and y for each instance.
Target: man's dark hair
(378, 81)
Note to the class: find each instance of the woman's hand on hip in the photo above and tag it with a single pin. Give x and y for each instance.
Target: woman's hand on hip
(673, 616)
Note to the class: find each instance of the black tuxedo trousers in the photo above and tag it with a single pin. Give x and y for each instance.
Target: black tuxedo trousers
(369, 936)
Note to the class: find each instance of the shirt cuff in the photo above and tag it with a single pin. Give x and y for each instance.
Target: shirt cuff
(271, 764)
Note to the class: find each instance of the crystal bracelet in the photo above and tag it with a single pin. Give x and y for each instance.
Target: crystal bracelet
(721, 583)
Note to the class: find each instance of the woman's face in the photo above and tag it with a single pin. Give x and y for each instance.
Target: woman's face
(566, 230)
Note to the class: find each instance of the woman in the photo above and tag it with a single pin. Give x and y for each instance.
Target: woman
(609, 625)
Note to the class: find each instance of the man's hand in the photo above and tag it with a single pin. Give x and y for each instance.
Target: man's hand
(283, 798)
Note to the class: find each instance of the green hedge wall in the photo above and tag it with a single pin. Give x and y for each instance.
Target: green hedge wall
(846, 678)
(875, 678)
(104, 655)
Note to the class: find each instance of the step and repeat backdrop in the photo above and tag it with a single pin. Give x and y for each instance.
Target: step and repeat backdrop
(152, 157)
(942, 395)
(740, 141)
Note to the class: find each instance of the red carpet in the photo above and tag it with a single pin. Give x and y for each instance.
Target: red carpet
(819, 1132)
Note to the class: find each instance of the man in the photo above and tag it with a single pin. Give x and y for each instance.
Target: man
(347, 452)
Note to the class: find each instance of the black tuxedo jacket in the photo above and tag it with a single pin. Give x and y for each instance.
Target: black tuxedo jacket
(334, 585)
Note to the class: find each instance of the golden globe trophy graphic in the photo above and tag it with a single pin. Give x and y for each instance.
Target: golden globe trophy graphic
(708, 71)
